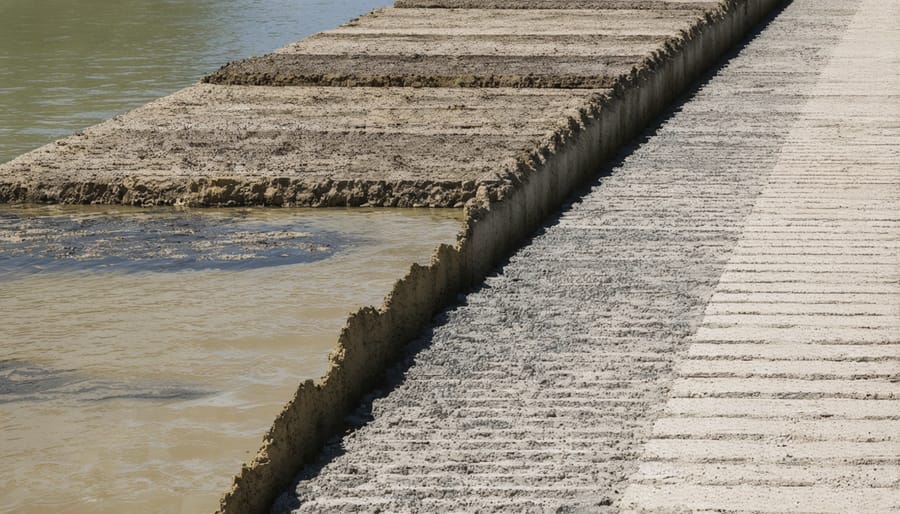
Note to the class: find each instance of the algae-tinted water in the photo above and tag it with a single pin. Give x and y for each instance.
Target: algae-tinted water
(143, 353)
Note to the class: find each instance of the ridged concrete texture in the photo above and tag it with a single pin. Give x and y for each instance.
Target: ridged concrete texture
(714, 327)
(788, 398)
(504, 211)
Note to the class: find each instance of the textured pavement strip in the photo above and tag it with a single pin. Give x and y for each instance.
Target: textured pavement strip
(788, 399)
(540, 392)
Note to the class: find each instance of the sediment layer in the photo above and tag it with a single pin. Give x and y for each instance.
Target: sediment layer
(476, 48)
(216, 145)
(223, 145)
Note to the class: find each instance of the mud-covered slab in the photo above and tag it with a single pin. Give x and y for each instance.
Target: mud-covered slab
(311, 146)
(568, 48)
(559, 4)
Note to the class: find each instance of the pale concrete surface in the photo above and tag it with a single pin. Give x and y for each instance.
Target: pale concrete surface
(713, 327)
(788, 399)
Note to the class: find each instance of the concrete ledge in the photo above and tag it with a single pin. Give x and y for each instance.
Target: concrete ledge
(509, 156)
(373, 338)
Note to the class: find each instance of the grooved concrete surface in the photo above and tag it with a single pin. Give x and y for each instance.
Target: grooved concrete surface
(788, 397)
(712, 328)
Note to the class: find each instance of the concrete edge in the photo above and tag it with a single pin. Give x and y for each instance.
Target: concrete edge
(497, 219)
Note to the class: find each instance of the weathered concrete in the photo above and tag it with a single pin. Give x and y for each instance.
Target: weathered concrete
(562, 48)
(230, 145)
(585, 375)
(793, 377)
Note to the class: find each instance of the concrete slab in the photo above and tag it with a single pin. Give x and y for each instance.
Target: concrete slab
(565, 48)
(217, 145)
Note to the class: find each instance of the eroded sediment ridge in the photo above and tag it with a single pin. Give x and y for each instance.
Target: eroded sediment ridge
(523, 101)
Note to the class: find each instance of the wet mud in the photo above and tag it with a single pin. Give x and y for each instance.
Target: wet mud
(158, 240)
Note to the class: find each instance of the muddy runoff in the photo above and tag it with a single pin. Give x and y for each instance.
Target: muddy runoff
(146, 352)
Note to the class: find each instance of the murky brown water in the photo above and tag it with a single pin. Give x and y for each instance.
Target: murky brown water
(144, 353)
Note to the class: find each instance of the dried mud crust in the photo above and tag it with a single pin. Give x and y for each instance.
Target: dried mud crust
(228, 145)
(565, 48)
(426, 71)
(215, 145)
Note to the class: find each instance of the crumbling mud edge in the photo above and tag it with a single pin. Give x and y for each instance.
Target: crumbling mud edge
(497, 219)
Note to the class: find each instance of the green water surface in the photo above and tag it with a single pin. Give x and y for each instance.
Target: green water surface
(68, 64)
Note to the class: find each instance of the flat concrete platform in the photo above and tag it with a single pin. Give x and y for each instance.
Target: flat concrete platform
(714, 327)
(310, 146)
(561, 48)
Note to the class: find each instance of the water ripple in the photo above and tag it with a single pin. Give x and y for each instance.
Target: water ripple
(30, 382)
